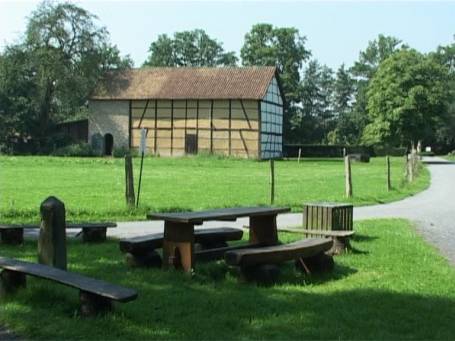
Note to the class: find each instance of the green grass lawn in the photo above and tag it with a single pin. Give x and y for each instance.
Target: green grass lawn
(93, 188)
(394, 286)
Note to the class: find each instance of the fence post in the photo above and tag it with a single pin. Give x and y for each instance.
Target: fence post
(300, 153)
(410, 165)
(272, 181)
(389, 185)
(348, 176)
(129, 181)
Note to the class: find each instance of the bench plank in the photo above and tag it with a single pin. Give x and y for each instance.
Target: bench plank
(68, 226)
(87, 284)
(330, 233)
(278, 253)
(143, 244)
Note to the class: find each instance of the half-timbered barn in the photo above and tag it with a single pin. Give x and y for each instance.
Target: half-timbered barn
(231, 111)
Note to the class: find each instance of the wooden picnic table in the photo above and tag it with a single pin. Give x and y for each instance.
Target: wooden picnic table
(178, 244)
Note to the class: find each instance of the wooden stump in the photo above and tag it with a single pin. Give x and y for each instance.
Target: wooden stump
(178, 246)
(92, 305)
(148, 259)
(11, 281)
(319, 263)
(266, 274)
(12, 236)
(94, 234)
(52, 234)
(340, 245)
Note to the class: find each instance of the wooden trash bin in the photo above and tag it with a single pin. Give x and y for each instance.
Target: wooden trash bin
(327, 216)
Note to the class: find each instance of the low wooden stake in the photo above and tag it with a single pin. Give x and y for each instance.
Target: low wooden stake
(272, 181)
(389, 185)
(129, 181)
(348, 177)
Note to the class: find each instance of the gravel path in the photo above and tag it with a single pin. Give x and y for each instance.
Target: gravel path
(433, 211)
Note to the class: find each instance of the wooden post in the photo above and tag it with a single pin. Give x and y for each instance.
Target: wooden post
(52, 234)
(300, 153)
(348, 177)
(410, 165)
(389, 186)
(272, 181)
(129, 181)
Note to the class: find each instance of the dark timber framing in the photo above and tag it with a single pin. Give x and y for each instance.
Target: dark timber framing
(244, 113)
(172, 127)
(230, 127)
(197, 121)
(143, 113)
(130, 122)
(211, 126)
(259, 131)
(155, 136)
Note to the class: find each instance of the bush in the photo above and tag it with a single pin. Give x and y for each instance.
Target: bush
(317, 150)
(426, 154)
(78, 149)
(122, 151)
(390, 151)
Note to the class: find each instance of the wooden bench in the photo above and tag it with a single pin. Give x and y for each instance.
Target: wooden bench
(258, 263)
(91, 232)
(140, 251)
(95, 296)
(340, 238)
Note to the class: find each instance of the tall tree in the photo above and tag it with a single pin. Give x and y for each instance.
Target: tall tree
(282, 47)
(56, 66)
(407, 98)
(343, 97)
(189, 48)
(364, 69)
(317, 117)
(445, 134)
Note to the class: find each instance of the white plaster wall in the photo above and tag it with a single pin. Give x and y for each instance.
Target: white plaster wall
(109, 117)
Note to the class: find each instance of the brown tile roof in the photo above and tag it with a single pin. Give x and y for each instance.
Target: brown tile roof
(186, 83)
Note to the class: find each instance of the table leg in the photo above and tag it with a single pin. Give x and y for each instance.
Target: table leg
(178, 246)
(263, 230)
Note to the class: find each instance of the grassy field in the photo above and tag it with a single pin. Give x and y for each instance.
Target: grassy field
(93, 188)
(393, 286)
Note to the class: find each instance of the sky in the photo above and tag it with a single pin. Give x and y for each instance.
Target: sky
(336, 31)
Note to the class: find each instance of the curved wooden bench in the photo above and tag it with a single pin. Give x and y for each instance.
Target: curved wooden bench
(95, 295)
(91, 232)
(254, 263)
(141, 250)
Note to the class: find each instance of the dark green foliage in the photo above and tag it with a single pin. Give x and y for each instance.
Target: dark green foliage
(78, 149)
(47, 77)
(282, 47)
(189, 48)
(406, 100)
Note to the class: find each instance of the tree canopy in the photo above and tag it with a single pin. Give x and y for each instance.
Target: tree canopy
(407, 98)
(47, 77)
(189, 48)
(283, 47)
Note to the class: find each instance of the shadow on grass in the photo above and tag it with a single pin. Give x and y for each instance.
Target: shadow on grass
(245, 311)
(357, 237)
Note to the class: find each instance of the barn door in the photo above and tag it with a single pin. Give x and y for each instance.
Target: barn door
(191, 144)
